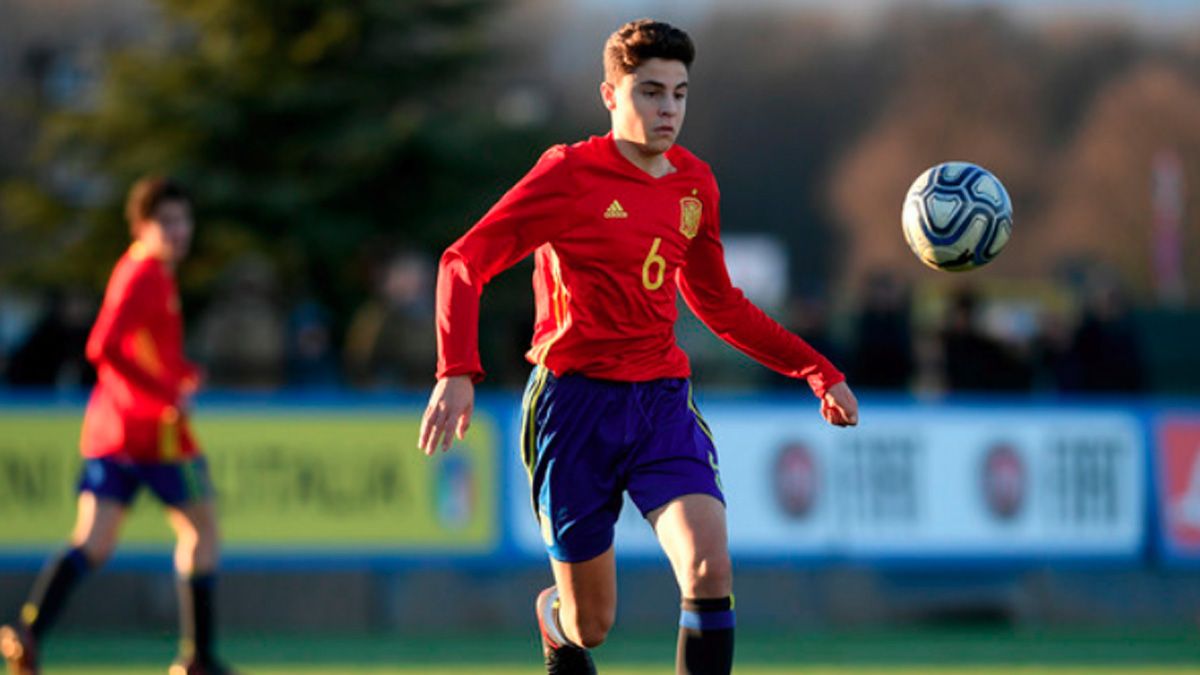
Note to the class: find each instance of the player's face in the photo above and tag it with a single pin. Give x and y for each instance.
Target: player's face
(169, 231)
(647, 106)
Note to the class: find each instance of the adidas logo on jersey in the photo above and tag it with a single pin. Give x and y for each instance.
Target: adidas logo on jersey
(614, 210)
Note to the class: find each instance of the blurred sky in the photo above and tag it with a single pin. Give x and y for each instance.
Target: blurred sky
(1171, 15)
(589, 22)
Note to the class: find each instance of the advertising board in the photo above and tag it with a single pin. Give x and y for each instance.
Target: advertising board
(286, 478)
(925, 481)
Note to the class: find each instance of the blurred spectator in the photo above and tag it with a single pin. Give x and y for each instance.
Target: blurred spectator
(972, 359)
(391, 340)
(53, 353)
(808, 317)
(311, 361)
(242, 333)
(1105, 354)
(1050, 350)
(883, 351)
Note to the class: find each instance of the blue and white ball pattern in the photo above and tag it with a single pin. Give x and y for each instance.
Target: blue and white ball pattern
(956, 217)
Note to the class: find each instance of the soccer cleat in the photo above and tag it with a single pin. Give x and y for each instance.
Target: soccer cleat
(561, 659)
(19, 650)
(194, 667)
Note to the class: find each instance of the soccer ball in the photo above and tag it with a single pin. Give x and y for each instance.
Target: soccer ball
(956, 217)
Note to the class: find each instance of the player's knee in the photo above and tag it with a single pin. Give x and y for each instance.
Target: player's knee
(588, 626)
(205, 552)
(197, 531)
(593, 629)
(97, 550)
(708, 576)
(204, 536)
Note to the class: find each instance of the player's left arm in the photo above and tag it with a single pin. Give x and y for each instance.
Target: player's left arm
(704, 282)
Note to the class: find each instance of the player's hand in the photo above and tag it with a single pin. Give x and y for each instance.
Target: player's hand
(193, 379)
(448, 413)
(839, 407)
(188, 386)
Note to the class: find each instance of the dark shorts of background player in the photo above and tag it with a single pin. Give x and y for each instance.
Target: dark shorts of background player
(586, 441)
(174, 483)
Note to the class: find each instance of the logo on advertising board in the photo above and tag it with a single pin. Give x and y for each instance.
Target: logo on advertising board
(795, 480)
(1179, 466)
(1004, 482)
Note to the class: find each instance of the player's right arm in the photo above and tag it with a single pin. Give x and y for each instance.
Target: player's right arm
(127, 303)
(527, 216)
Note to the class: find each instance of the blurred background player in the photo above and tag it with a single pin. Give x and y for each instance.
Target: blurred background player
(618, 223)
(135, 434)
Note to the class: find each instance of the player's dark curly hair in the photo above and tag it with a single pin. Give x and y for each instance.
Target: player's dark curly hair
(639, 41)
(147, 194)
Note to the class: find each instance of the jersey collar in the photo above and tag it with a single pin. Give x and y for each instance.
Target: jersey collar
(675, 156)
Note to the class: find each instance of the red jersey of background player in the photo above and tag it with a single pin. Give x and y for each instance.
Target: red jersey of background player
(137, 348)
(613, 244)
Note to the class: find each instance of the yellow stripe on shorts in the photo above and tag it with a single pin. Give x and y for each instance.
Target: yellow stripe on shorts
(699, 417)
(528, 433)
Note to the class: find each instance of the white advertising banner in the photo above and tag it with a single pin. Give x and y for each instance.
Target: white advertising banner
(913, 481)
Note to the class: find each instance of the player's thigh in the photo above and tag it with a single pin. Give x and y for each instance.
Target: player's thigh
(588, 589)
(692, 532)
(574, 459)
(97, 525)
(194, 521)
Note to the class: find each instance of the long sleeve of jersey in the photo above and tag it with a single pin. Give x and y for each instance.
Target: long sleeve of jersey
(124, 312)
(527, 216)
(706, 288)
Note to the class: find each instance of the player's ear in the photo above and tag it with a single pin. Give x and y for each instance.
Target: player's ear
(608, 94)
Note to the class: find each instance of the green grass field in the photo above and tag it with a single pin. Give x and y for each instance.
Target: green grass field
(946, 652)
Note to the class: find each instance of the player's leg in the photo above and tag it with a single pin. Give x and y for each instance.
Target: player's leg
(576, 613)
(105, 490)
(191, 510)
(692, 532)
(675, 483)
(196, 553)
(97, 527)
(573, 458)
(587, 599)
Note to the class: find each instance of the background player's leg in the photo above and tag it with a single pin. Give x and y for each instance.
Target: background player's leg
(196, 553)
(692, 532)
(97, 525)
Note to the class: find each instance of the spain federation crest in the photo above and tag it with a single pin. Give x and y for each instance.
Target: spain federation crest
(689, 216)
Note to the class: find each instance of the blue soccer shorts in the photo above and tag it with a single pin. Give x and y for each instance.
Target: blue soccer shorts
(174, 483)
(587, 441)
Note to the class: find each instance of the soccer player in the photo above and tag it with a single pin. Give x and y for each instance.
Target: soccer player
(135, 434)
(617, 225)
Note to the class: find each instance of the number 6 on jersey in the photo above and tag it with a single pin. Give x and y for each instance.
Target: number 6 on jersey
(653, 280)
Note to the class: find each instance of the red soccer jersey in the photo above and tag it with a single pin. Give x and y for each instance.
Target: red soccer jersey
(137, 348)
(612, 244)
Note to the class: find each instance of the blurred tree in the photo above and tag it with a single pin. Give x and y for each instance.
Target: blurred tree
(967, 89)
(1102, 207)
(316, 131)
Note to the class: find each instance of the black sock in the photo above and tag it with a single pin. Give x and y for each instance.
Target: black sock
(196, 617)
(705, 637)
(52, 588)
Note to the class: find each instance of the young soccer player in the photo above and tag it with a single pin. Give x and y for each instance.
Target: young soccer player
(135, 434)
(617, 225)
